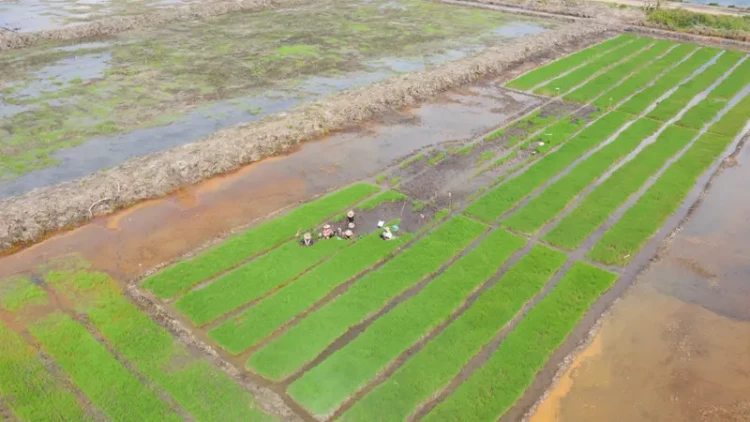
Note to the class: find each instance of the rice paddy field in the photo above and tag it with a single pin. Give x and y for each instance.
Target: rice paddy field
(452, 320)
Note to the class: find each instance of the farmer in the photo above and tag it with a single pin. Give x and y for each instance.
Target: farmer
(350, 217)
(327, 232)
(348, 234)
(306, 240)
(387, 234)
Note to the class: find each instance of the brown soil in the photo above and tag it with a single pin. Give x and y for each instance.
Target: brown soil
(29, 217)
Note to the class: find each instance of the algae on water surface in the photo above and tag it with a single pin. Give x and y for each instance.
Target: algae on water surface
(53, 97)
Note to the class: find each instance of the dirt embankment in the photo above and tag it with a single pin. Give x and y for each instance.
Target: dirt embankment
(27, 218)
(109, 26)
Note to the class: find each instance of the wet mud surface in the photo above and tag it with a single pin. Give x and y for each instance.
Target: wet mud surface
(675, 347)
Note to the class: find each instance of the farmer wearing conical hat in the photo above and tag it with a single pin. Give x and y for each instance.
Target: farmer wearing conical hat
(306, 240)
(327, 232)
(350, 217)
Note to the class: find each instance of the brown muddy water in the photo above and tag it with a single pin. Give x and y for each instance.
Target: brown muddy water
(133, 241)
(676, 347)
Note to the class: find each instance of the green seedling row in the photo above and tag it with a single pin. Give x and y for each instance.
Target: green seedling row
(603, 82)
(528, 125)
(717, 99)
(438, 158)
(640, 102)
(565, 83)
(32, 393)
(109, 385)
(200, 388)
(412, 160)
(325, 387)
(18, 292)
(498, 201)
(547, 72)
(642, 77)
(671, 106)
(243, 331)
(639, 223)
(613, 192)
(555, 134)
(556, 197)
(433, 367)
(500, 382)
(255, 279)
(734, 121)
(307, 339)
(182, 276)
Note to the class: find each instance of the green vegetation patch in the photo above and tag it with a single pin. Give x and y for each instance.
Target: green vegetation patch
(18, 292)
(28, 389)
(325, 387)
(243, 331)
(623, 240)
(500, 200)
(556, 197)
(438, 158)
(307, 339)
(185, 274)
(639, 102)
(565, 83)
(717, 99)
(109, 385)
(685, 20)
(522, 129)
(613, 192)
(606, 80)
(500, 382)
(153, 351)
(670, 106)
(547, 72)
(433, 367)
(412, 160)
(255, 279)
(734, 121)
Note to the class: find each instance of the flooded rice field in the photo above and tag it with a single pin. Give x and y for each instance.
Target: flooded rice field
(675, 347)
(69, 110)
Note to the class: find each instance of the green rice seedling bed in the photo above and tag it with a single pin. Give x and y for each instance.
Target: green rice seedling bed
(307, 339)
(254, 279)
(18, 292)
(32, 393)
(200, 388)
(433, 367)
(372, 203)
(639, 223)
(185, 274)
(565, 83)
(717, 99)
(529, 125)
(325, 387)
(494, 204)
(556, 197)
(243, 331)
(496, 386)
(671, 106)
(547, 72)
(606, 80)
(642, 77)
(555, 134)
(594, 210)
(734, 121)
(412, 160)
(109, 385)
(640, 102)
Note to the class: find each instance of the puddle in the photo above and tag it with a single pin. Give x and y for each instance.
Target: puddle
(64, 72)
(131, 242)
(675, 346)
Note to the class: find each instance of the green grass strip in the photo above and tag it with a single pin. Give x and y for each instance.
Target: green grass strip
(109, 385)
(243, 331)
(717, 99)
(183, 275)
(613, 192)
(606, 80)
(623, 240)
(640, 102)
(433, 367)
(254, 279)
(307, 339)
(494, 204)
(32, 393)
(18, 292)
(670, 106)
(547, 72)
(556, 197)
(642, 77)
(565, 83)
(734, 121)
(496, 386)
(202, 389)
(325, 387)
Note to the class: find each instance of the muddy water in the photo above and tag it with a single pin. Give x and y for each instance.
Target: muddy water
(129, 243)
(676, 346)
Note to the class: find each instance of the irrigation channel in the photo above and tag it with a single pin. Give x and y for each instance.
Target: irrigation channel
(525, 207)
